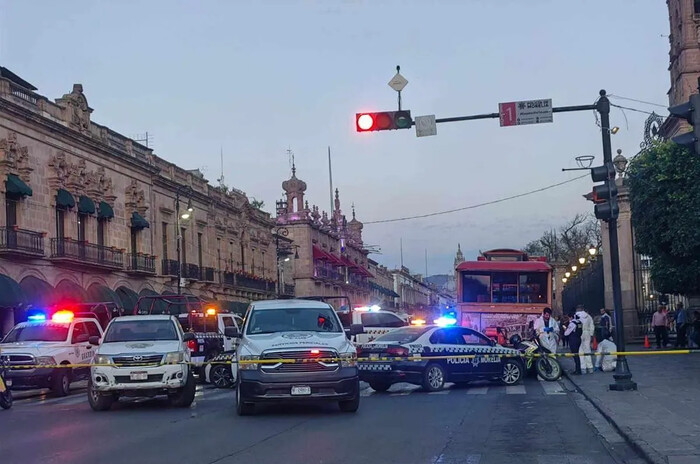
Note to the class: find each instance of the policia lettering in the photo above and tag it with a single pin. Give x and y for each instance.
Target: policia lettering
(475, 361)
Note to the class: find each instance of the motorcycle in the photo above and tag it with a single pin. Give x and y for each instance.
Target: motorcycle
(5, 393)
(535, 355)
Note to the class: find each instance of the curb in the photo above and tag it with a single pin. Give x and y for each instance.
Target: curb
(641, 447)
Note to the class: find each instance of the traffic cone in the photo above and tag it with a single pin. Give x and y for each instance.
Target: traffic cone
(646, 342)
(595, 344)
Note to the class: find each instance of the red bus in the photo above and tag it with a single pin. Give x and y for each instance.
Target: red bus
(502, 292)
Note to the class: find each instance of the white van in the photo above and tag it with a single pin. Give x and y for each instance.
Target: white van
(297, 331)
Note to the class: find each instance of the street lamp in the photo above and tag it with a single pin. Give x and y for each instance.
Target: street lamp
(582, 261)
(283, 251)
(592, 250)
(567, 274)
(185, 215)
(564, 279)
(574, 268)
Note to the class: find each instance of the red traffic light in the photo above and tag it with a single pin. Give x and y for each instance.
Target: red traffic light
(385, 120)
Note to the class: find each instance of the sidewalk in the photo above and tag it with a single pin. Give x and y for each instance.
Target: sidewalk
(662, 418)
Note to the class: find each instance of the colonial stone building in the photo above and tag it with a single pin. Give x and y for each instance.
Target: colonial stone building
(91, 215)
(684, 58)
(332, 260)
(382, 286)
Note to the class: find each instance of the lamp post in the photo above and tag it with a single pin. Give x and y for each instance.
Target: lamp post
(184, 216)
(283, 251)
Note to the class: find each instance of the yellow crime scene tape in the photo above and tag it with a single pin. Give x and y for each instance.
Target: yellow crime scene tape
(415, 358)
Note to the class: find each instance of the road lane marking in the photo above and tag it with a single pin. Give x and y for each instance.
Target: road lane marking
(478, 391)
(515, 390)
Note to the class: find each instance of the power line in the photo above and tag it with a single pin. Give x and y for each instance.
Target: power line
(479, 204)
(638, 101)
(631, 109)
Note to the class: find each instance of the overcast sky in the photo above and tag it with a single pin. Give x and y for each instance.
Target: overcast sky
(256, 78)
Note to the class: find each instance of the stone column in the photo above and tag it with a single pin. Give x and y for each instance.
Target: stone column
(626, 250)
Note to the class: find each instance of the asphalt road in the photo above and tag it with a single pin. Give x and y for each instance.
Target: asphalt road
(535, 422)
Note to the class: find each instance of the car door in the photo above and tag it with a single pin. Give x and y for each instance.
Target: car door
(486, 362)
(79, 344)
(93, 331)
(448, 342)
(230, 343)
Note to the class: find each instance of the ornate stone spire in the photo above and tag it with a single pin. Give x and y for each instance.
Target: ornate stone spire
(459, 257)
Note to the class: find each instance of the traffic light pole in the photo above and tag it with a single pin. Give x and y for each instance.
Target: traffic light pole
(622, 376)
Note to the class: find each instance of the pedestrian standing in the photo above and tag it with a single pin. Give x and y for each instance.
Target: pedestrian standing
(660, 323)
(574, 330)
(605, 325)
(588, 330)
(681, 326)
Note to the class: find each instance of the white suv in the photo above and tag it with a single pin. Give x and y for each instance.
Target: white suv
(141, 356)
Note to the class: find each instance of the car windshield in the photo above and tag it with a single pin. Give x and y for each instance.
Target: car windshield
(137, 331)
(38, 333)
(293, 319)
(404, 335)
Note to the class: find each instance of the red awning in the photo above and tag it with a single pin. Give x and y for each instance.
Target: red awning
(319, 253)
(513, 266)
(333, 259)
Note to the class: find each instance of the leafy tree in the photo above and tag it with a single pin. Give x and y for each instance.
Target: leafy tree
(570, 242)
(664, 183)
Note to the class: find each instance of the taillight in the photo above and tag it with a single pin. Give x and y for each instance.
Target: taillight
(397, 351)
(192, 345)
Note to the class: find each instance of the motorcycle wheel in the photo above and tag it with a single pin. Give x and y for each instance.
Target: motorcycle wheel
(6, 399)
(548, 368)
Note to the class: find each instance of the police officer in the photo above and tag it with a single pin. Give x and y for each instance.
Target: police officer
(574, 331)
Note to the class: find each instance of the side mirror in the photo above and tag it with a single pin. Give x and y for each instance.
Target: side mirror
(232, 332)
(189, 336)
(82, 338)
(356, 329)
(94, 340)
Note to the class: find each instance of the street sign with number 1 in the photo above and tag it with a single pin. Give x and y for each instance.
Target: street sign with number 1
(525, 112)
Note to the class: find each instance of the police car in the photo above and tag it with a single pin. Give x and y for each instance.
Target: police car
(63, 339)
(491, 361)
(374, 320)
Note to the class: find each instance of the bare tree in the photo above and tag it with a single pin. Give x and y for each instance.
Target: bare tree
(570, 242)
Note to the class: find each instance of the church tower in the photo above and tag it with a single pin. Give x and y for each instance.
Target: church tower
(459, 257)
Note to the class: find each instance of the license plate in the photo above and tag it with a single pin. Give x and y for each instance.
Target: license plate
(138, 376)
(374, 356)
(303, 390)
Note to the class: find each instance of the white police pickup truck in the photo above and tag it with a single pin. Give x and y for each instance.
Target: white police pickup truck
(142, 356)
(62, 340)
(321, 363)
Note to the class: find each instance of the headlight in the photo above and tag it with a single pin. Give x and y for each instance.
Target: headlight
(348, 359)
(46, 361)
(246, 363)
(174, 357)
(102, 359)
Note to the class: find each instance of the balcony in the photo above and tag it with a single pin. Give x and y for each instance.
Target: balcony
(207, 274)
(83, 254)
(21, 242)
(141, 264)
(249, 282)
(190, 271)
(228, 279)
(169, 267)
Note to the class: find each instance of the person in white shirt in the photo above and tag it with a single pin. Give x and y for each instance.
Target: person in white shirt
(604, 361)
(588, 329)
(547, 329)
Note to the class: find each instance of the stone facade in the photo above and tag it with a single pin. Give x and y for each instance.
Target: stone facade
(684, 58)
(332, 259)
(116, 183)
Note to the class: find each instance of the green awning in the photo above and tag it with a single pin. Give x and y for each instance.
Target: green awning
(64, 199)
(16, 186)
(138, 221)
(11, 294)
(86, 205)
(105, 211)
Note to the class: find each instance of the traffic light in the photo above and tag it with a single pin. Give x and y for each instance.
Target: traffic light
(385, 120)
(605, 195)
(690, 111)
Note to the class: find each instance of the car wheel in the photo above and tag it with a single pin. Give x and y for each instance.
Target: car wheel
(98, 401)
(220, 376)
(512, 372)
(6, 399)
(433, 377)
(60, 384)
(184, 397)
(380, 386)
(243, 408)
